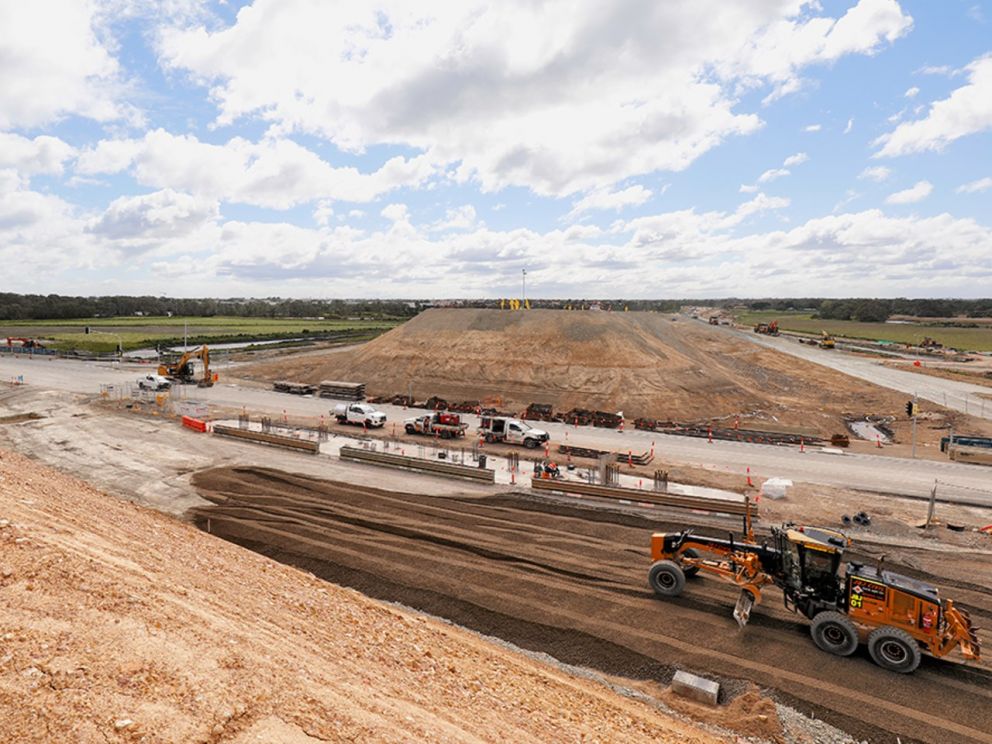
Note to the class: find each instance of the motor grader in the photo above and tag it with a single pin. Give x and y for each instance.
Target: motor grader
(846, 602)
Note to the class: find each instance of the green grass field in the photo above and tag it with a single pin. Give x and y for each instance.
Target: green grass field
(138, 332)
(967, 339)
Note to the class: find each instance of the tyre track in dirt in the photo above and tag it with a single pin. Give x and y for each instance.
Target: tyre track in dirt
(571, 583)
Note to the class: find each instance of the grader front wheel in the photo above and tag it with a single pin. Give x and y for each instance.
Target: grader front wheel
(666, 578)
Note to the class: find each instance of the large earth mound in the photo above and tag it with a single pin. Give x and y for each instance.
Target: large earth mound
(121, 624)
(644, 364)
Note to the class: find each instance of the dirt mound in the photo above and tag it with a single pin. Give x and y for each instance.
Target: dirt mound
(118, 623)
(644, 364)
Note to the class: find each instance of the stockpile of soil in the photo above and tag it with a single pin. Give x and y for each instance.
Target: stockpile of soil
(571, 582)
(644, 364)
(121, 624)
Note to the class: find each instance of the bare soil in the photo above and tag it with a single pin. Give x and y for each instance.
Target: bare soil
(570, 582)
(641, 363)
(122, 624)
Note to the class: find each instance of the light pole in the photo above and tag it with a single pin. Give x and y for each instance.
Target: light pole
(523, 286)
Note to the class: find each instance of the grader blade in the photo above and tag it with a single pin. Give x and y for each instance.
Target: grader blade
(742, 611)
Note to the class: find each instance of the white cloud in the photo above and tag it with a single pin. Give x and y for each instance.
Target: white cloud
(918, 192)
(275, 173)
(877, 173)
(54, 64)
(323, 212)
(459, 218)
(912, 92)
(968, 110)
(518, 93)
(396, 212)
(772, 174)
(41, 155)
(798, 159)
(604, 199)
(813, 128)
(849, 127)
(974, 187)
(141, 223)
(748, 188)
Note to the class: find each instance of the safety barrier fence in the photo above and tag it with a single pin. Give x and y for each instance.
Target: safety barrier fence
(357, 454)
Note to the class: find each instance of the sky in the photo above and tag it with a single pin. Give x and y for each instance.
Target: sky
(636, 148)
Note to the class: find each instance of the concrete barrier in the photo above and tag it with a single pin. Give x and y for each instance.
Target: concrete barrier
(277, 440)
(195, 424)
(435, 467)
(678, 501)
(696, 688)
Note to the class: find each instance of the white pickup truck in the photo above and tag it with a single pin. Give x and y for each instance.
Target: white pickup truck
(512, 431)
(359, 414)
(154, 382)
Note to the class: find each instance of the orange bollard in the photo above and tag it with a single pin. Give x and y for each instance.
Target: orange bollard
(802, 444)
(630, 459)
(749, 478)
(709, 435)
(878, 441)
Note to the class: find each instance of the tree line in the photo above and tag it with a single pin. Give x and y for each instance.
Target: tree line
(62, 307)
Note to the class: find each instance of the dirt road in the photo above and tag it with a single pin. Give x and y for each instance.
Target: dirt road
(958, 395)
(572, 583)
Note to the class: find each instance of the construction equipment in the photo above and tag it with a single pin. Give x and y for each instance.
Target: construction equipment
(770, 329)
(930, 343)
(899, 617)
(826, 340)
(183, 370)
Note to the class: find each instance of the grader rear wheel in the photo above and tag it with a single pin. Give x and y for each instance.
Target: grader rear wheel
(893, 649)
(834, 633)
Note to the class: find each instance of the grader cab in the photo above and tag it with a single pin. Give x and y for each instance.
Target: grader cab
(846, 602)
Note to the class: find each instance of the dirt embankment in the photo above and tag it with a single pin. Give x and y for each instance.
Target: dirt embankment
(118, 623)
(644, 364)
(571, 582)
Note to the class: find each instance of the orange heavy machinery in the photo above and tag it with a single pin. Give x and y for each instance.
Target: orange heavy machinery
(183, 370)
(770, 329)
(899, 617)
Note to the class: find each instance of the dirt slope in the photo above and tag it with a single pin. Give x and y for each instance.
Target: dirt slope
(571, 582)
(118, 623)
(641, 363)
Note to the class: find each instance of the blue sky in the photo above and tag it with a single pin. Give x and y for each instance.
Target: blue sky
(633, 149)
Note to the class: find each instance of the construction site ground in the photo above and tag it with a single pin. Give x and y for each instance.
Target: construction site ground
(593, 555)
(121, 624)
(570, 582)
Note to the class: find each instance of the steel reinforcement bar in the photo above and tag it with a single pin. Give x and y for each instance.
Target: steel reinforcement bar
(405, 462)
(275, 439)
(677, 501)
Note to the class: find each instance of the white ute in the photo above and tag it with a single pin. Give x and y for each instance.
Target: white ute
(154, 382)
(512, 431)
(359, 414)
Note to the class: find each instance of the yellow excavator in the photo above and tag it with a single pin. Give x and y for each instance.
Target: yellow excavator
(826, 340)
(847, 602)
(184, 371)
